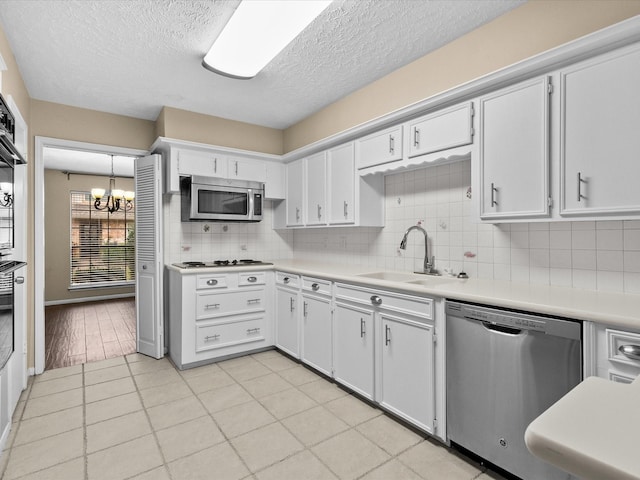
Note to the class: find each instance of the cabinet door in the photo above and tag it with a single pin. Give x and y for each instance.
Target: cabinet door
(316, 332)
(295, 177)
(201, 163)
(353, 339)
(246, 169)
(287, 321)
(514, 151)
(315, 181)
(381, 147)
(452, 127)
(600, 115)
(342, 184)
(407, 379)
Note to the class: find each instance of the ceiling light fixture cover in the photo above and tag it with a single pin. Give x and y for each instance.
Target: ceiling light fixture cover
(257, 31)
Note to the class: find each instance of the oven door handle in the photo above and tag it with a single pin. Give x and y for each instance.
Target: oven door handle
(251, 201)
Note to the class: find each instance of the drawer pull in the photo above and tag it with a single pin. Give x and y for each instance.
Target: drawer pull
(291, 307)
(362, 331)
(252, 279)
(387, 335)
(376, 300)
(211, 337)
(315, 287)
(286, 280)
(212, 305)
(212, 282)
(630, 351)
(251, 301)
(304, 309)
(253, 330)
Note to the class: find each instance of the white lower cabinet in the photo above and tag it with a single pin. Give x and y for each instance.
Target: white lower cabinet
(407, 373)
(287, 316)
(317, 325)
(215, 316)
(383, 349)
(353, 348)
(615, 355)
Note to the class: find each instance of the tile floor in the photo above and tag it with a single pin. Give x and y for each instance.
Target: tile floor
(257, 417)
(87, 332)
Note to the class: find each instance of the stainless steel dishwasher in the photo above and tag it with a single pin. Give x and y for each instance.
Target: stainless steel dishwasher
(504, 369)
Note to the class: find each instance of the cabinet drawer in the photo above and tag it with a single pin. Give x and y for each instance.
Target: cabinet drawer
(212, 281)
(218, 335)
(617, 339)
(229, 303)
(251, 278)
(419, 306)
(316, 285)
(288, 279)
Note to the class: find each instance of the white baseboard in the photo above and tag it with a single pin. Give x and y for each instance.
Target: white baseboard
(88, 299)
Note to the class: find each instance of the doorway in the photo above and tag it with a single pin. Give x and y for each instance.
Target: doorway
(85, 310)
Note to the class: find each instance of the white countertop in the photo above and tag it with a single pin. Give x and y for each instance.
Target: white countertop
(591, 432)
(615, 309)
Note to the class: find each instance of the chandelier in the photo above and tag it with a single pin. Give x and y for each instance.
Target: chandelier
(115, 199)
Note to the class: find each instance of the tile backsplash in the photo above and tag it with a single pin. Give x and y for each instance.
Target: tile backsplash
(208, 241)
(601, 255)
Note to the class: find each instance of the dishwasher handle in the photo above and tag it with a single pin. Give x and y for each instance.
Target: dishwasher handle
(501, 328)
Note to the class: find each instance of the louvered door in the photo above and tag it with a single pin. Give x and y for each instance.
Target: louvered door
(148, 200)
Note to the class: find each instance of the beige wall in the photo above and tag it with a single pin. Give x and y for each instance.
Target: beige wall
(57, 189)
(197, 127)
(535, 27)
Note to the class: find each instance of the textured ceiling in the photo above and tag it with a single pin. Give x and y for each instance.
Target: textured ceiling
(133, 57)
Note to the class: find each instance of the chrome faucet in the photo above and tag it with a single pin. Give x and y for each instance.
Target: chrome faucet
(428, 265)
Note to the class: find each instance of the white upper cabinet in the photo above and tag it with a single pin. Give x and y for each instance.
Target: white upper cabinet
(316, 183)
(295, 194)
(380, 147)
(246, 169)
(600, 138)
(514, 151)
(444, 129)
(342, 185)
(192, 162)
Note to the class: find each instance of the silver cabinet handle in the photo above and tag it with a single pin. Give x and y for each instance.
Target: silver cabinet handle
(286, 280)
(236, 169)
(144, 267)
(362, 325)
(376, 300)
(253, 330)
(215, 165)
(346, 209)
(291, 304)
(19, 280)
(252, 301)
(212, 282)
(315, 287)
(212, 337)
(304, 309)
(392, 144)
(416, 137)
(387, 335)
(297, 214)
(494, 190)
(580, 182)
(630, 351)
(319, 211)
(212, 305)
(252, 279)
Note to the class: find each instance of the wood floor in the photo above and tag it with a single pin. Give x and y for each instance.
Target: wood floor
(88, 332)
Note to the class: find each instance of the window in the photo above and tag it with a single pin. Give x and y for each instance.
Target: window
(102, 244)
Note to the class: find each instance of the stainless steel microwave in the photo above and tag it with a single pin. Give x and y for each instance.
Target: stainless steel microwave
(220, 200)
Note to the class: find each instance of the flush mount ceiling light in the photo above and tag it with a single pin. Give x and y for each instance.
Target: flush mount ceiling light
(257, 31)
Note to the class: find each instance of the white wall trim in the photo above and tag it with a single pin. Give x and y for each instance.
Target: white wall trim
(39, 260)
(88, 299)
(609, 38)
